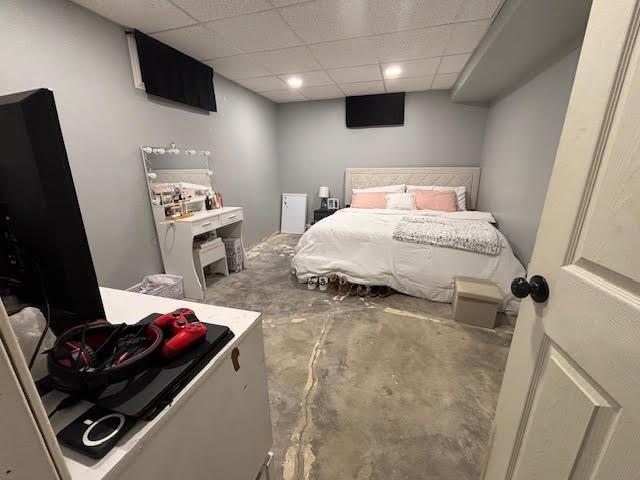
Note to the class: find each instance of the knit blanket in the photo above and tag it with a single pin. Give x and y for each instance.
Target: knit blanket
(469, 235)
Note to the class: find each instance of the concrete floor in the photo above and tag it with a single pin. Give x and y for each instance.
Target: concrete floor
(368, 388)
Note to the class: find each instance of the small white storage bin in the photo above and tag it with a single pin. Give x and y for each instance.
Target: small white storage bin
(171, 287)
(476, 301)
(235, 254)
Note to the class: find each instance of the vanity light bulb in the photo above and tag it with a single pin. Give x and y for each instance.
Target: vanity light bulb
(159, 151)
(152, 175)
(147, 149)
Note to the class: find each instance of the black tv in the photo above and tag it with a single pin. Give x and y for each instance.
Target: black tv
(375, 110)
(44, 253)
(169, 73)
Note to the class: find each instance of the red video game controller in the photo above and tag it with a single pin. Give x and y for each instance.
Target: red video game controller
(185, 329)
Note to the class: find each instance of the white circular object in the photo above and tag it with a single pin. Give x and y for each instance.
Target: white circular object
(152, 175)
(147, 149)
(159, 151)
(95, 443)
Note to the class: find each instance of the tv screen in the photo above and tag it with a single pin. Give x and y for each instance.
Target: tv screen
(44, 253)
(169, 73)
(375, 110)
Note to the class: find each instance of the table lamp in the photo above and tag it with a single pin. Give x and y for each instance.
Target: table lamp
(323, 193)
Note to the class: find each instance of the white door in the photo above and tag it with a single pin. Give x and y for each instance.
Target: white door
(294, 213)
(570, 401)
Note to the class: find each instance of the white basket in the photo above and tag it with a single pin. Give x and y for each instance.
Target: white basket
(235, 254)
(174, 290)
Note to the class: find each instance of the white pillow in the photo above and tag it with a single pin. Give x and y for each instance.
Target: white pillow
(401, 201)
(461, 193)
(386, 188)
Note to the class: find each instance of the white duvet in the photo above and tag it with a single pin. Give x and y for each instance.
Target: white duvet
(358, 244)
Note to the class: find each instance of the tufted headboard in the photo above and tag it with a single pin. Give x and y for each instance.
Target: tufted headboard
(468, 177)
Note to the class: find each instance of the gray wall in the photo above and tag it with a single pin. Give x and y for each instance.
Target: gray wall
(84, 60)
(315, 146)
(522, 135)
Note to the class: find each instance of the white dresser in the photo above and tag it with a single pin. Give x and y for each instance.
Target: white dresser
(217, 428)
(176, 242)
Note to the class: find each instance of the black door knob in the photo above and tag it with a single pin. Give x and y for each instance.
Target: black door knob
(537, 288)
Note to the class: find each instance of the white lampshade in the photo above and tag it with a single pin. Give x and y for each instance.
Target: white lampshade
(323, 192)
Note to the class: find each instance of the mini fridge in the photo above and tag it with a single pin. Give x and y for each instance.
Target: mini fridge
(294, 213)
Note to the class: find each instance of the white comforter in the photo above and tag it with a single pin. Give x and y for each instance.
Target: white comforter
(358, 244)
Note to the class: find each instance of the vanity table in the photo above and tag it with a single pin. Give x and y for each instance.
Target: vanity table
(182, 180)
(176, 244)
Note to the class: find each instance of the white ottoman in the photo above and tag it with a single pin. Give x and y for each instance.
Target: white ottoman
(476, 301)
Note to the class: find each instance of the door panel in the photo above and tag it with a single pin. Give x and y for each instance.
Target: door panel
(564, 399)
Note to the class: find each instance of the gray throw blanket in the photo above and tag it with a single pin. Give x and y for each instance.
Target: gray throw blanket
(470, 235)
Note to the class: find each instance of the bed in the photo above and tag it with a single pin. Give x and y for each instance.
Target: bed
(359, 245)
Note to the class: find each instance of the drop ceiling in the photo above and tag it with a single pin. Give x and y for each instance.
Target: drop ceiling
(337, 47)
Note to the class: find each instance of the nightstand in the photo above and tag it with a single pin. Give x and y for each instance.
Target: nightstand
(320, 213)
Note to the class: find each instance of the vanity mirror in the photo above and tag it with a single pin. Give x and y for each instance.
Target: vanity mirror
(179, 181)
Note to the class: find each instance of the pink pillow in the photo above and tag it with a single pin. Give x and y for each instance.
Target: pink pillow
(435, 200)
(369, 200)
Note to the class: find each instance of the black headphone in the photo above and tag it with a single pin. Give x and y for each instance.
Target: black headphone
(94, 355)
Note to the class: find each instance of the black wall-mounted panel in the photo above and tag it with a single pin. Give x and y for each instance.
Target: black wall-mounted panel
(169, 73)
(375, 110)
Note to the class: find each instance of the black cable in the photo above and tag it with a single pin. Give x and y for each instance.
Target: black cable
(66, 402)
(47, 313)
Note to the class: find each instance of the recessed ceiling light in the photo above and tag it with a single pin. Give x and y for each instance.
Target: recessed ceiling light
(392, 71)
(294, 82)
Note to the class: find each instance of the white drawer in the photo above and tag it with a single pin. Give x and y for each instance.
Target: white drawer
(206, 225)
(212, 254)
(227, 218)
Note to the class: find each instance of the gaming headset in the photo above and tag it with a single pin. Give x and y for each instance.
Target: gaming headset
(97, 354)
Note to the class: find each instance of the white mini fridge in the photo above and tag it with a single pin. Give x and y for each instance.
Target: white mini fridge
(294, 213)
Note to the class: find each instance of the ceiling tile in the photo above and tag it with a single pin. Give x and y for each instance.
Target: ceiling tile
(205, 10)
(263, 84)
(413, 84)
(363, 73)
(287, 60)
(453, 63)
(416, 68)
(197, 41)
(238, 67)
(284, 3)
(145, 15)
(421, 43)
(397, 15)
(444, 81)
(311, 79)
(256, 31)
(346, 53)
(321, 92)
(362, 88)
(465, 36)
(477, 10)
(281, 96)
(326, 20)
